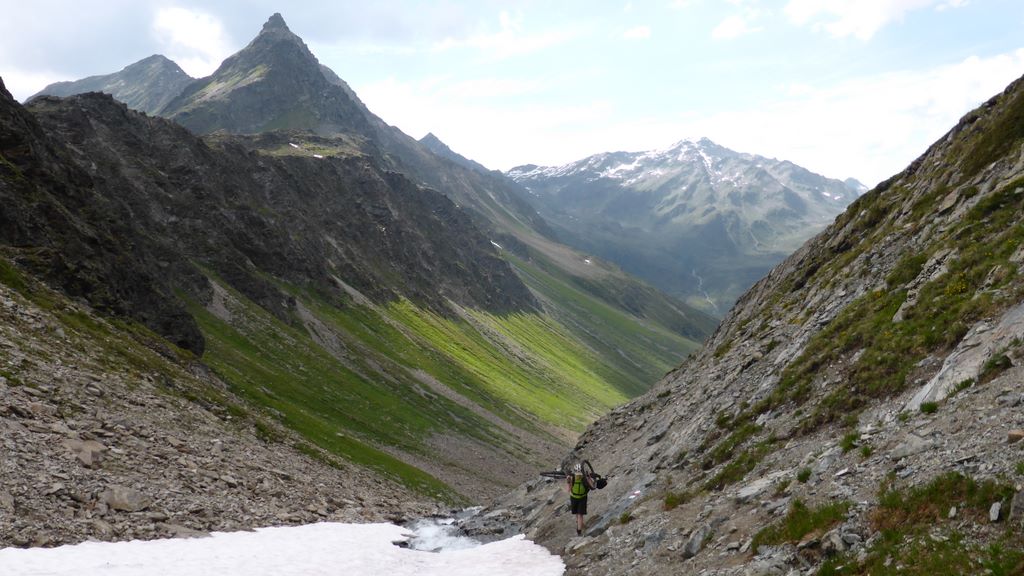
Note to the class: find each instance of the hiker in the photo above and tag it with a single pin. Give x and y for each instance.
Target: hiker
(578, 484)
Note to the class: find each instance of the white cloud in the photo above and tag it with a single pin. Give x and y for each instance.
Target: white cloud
(733, 27)
(509, 40)
(23, 83)
(637, 33)
(480, 88)
(858, 18)
(870, 127)
(464, 116)
(193, 39)
(740, 23)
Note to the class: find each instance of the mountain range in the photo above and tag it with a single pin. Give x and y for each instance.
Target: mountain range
(221, 327)
(703, 222)
(285, 255)
(697, 220)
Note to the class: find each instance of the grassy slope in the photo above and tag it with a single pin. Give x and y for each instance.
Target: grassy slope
(633, 353)
(366, 394)
(365, 399)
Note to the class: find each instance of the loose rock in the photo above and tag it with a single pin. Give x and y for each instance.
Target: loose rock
(696, 541)
(125, 499)
(995, 511)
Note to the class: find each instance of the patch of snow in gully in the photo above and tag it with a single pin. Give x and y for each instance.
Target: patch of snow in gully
(325, 549)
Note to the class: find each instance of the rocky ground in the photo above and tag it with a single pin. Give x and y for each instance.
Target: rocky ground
(977, 433)
(95, 449)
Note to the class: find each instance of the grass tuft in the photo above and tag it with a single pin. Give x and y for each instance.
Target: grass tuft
(803, 475)
(801, 521)
(675, 499)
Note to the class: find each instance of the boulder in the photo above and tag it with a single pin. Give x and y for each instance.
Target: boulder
(968, 358)
(696, 541)
(6, 502)
(125, 499)
(995, 511)
(833, 543)
(912, 444)
(102, 528)
(770, 567)
(178, 531)
(88, 452)
(1016, 515)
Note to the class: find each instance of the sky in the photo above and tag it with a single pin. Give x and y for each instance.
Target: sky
(325, 549)
(845, 88)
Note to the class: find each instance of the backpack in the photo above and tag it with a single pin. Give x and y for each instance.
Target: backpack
(579, 487)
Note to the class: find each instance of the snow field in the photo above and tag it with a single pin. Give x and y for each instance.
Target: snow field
(325, 549)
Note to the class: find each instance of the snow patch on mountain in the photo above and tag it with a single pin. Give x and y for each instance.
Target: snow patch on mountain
(324, 549)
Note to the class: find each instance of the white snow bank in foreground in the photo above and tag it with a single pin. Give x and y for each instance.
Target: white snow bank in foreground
(312, 550)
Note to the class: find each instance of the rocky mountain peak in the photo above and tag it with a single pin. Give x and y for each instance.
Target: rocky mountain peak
(156, 60)
(276, 45)
(437, 146)
(147, 85)
(274, 83)
(275, 34)
(855, 185)
(274, 23)
(432, 140)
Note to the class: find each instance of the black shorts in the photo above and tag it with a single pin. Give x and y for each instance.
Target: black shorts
(578, 505)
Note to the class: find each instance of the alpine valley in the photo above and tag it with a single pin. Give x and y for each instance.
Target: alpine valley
(265, 285)
(253, 302)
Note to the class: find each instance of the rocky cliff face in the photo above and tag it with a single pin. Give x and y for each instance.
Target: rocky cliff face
(158, 202)
(66, 225)
(698, 220)
(147, 85)
(858, 410)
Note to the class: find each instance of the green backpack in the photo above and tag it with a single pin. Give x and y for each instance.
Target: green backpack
(579, 487)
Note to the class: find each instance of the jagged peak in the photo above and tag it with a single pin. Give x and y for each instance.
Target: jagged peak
(275, 22)
(276, 30)
(433, 141)
(156, 59)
